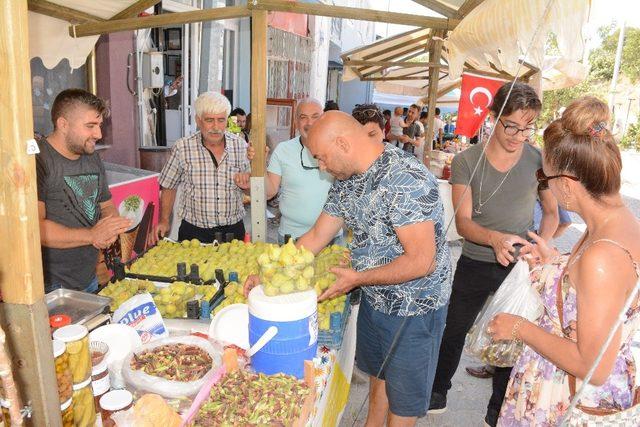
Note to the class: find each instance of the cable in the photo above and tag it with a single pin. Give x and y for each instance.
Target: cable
(457, 207)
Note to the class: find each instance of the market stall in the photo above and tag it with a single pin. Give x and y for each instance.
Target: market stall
(162, 313)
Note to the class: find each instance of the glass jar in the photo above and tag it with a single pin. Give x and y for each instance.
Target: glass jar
(100, 385)
(114, 401)
(84, 411)
(76, 339)
(63, 373)
(4, 404)
(66, 411)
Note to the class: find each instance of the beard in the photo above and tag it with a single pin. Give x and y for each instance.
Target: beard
(81, 146)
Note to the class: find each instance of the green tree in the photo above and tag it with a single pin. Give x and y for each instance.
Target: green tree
(602, 59)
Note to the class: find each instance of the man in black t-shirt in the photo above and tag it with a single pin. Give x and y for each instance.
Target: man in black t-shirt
(77, 216)
(412, 134)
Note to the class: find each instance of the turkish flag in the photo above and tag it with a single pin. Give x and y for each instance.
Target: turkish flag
(476, 95)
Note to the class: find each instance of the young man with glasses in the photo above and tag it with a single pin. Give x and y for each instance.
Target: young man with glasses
(294, 173)
(494, 213)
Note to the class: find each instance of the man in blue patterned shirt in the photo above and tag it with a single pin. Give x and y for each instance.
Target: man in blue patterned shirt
(400, 260)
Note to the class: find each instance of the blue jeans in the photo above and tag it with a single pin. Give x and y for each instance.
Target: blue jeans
(409, 370)
(91, 288)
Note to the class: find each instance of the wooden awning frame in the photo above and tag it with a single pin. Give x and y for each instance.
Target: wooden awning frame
(21, 283)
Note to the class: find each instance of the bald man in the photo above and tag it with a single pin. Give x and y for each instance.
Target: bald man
(400, 260)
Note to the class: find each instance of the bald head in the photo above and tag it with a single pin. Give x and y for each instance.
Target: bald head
(341, 144)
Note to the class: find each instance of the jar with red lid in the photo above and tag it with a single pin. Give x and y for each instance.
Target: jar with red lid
(114, 401)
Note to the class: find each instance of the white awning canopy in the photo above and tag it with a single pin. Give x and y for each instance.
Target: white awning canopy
(49, 37)
(490, 40)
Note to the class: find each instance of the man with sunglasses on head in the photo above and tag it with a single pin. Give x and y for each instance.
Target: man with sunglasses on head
(494, 213)
(294, 173)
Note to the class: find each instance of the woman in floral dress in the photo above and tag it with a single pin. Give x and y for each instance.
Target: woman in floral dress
(582, 293)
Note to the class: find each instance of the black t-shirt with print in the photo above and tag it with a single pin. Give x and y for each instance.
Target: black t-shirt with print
(72, 191)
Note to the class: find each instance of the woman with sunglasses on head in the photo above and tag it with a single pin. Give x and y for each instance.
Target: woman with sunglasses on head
(582, 293)
(370, 116)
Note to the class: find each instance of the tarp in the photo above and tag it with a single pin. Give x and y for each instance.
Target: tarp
(499, 32)
(49, 37)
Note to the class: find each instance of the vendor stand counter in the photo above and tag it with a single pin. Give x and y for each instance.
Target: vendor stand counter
(333, 369)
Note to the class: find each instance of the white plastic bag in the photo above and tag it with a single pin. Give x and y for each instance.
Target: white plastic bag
(141, 313)
(143, 382)
(515, 296)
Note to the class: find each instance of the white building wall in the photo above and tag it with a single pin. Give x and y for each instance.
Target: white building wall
(320, 27)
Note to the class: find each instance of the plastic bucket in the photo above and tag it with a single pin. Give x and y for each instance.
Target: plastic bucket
(295, 315)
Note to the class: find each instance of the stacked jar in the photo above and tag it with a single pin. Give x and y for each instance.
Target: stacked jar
(76, 340)
(99, 372)
(63, 373)
(112, 402)
(66, 410)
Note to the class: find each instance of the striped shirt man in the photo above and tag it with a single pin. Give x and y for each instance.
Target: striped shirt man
(210, 198)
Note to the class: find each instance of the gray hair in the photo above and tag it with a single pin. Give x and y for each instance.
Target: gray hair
(212, 103)
(306, 101)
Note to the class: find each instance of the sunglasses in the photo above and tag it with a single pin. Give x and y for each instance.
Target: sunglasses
(305, 167)
(543, 180)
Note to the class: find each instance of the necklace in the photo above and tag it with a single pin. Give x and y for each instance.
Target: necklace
(478, 208)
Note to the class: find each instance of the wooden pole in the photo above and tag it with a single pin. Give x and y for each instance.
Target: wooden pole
(23, 314)
(154, 21)
(61, 12)
(435, 53)
(258, 123)
(354, 13)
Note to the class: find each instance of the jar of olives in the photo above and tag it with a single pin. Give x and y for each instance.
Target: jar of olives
(76, 339)
(66, 410)
(63, 373)
(84, 411)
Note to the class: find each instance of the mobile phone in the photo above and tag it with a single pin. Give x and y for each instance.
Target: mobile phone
(516, 253)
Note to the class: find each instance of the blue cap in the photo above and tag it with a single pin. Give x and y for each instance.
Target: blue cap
(233, 276)
(205, 313)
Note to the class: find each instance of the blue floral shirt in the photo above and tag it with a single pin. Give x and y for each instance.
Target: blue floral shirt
(395, 191)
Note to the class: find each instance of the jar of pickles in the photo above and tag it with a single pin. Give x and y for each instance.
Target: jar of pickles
(63, 374)
(66, 410)
(84, 411)
(76, 339)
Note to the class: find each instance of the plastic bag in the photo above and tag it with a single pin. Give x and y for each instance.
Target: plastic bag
(515, 296)
(143, 382)
(141, 313)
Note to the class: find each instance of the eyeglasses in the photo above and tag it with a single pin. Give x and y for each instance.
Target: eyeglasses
(543, 180)
(513, 130)
(307, 168)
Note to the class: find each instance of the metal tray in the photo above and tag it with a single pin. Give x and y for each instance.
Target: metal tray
(80, 306)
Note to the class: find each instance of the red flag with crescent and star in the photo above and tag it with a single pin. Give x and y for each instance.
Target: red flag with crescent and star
(476, 95)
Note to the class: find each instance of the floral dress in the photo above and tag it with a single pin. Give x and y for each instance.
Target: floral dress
(538, 391)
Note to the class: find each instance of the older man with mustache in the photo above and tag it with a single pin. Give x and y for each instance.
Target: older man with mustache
(207, 164)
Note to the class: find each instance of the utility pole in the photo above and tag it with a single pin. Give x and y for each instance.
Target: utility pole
(616, 71)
